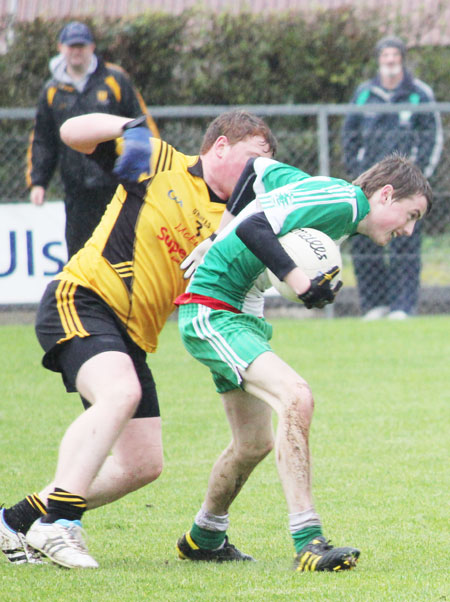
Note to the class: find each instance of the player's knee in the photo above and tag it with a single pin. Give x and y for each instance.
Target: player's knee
(129, 400)
(150, 470)
(299, 402)
(153, 465)
(253, 452)
(143, 470)
(124, 399)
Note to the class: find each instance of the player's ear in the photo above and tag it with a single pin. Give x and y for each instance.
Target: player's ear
(386, 193)
(220, 146)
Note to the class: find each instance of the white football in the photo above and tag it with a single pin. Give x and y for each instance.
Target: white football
(313, 252)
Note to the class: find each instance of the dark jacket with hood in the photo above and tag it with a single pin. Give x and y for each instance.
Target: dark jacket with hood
(87, 188)
(369, 137)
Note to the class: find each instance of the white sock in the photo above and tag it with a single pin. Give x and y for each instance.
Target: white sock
(210, 521)
(300, 520)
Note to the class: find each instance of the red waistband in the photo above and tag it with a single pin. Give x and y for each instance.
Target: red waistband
(187, 298)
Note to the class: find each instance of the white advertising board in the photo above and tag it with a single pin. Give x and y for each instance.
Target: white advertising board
(32, 249)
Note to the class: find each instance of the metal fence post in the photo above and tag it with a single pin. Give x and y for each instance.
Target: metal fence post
(324, 163)
(323, 141)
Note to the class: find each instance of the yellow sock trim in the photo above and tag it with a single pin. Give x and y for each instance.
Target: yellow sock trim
(35, 501)
(68, 498)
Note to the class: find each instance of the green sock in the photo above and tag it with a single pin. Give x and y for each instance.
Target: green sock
(304, 536)
(208, 540)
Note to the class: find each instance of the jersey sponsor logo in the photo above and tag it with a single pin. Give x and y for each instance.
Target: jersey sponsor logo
(176, 252)
(183, 230)
(171, 194)
(203, 220)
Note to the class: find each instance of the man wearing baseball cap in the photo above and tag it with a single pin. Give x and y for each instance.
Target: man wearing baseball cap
(76, 61)
(81, 83)
(76, 33)
(388, 284)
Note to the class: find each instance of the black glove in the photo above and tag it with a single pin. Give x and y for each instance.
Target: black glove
(134, 163)
(320, 292)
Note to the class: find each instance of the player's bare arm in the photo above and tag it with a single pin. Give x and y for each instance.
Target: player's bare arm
(297, 280)
(85, 132)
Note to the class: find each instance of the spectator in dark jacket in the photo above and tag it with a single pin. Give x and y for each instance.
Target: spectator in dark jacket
(388, 283)
(81, 83)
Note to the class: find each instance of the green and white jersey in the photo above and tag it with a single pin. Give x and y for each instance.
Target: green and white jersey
(290, 199)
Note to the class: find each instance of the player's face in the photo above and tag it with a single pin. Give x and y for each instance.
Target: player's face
(390, 62)
(236, 156)
(394, 218)
(78, 56)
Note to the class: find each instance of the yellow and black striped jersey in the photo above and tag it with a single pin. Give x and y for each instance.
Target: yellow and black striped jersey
(132, 261)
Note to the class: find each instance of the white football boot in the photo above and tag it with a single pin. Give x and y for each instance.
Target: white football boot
(14, 546)
(62, 542)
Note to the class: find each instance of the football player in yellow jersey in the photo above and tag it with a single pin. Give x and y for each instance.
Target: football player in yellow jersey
(104, 311)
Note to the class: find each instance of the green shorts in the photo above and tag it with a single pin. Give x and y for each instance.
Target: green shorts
(224, 341)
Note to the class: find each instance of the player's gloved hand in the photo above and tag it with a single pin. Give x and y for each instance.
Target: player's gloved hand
(195, 257)
(134, 163)
(320, 292)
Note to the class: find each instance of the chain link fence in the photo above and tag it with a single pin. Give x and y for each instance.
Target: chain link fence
(309, 137)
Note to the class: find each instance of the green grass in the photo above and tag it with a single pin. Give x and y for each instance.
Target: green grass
(380, 449)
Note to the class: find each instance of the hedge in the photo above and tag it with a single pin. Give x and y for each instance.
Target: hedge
(205, 58)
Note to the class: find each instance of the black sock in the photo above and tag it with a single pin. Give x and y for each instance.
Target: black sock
(22, 515)
(63, 504)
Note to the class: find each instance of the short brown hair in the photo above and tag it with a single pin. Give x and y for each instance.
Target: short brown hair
(236, 126)
(402, 174)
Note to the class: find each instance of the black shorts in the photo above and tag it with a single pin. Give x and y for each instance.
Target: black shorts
(74, 324)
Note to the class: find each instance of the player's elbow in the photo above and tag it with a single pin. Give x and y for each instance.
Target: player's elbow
(71, 134)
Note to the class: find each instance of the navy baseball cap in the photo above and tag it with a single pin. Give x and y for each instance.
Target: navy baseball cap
(76, 33)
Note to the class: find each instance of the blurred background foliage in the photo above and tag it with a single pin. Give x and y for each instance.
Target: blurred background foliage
(200, 57)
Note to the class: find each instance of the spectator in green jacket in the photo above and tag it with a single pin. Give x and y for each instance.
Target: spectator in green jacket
(388, 283)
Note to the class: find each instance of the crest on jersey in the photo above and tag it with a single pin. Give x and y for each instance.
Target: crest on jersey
(102, 95)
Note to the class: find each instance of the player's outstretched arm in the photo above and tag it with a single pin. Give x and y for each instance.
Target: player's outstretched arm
(85, 132)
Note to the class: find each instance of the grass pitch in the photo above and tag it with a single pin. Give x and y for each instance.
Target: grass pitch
(380, 445)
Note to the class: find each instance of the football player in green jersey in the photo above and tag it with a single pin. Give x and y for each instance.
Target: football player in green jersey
(221, 323)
